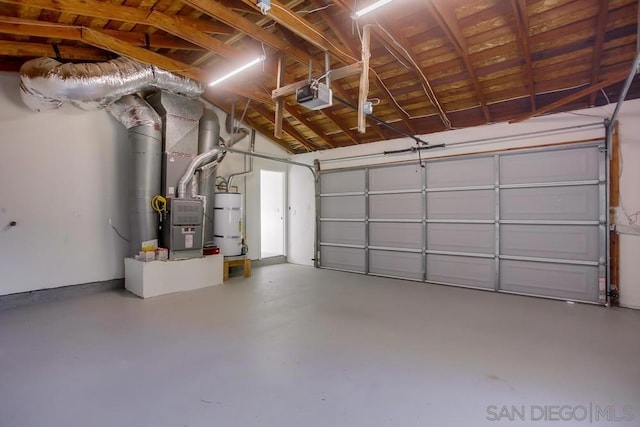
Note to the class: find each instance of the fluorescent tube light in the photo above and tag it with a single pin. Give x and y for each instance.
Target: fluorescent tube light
(238, 70)
(369, 8)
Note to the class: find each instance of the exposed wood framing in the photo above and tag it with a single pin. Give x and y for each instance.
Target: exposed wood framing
(27, 27)
(618, 77)
(30, 49)
(449, 24)
(302, 28)
(287, 127)
(601, 30)
(319, 132)
(377, 82)
(364, 78)
(522, 22)
(390, 43)
(280, 101)
(337, 74)
(226, 15)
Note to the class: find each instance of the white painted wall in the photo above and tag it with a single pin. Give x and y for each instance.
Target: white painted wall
(63, 174)
(541, 130)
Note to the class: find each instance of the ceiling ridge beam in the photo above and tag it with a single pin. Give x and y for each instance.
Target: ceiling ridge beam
(448, 22)
(522, 22)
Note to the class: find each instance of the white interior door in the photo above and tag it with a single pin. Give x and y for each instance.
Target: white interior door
(271, 213)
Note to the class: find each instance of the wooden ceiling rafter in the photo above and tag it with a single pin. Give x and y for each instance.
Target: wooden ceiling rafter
(618, 77)
(601, 30)
(70, 53)
(247, 27)
(304, 29)
(448, 22)
(317, 130)
(259, 23)
(27, 27)
(286, 126)
(522, 22)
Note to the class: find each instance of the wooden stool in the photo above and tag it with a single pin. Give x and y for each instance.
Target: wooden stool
(233, 261)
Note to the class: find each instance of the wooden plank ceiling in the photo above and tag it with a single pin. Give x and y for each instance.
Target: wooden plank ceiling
(434, 65)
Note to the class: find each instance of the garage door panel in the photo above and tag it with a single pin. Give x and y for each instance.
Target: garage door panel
(395, 206)
(406, 177)
(552, 166)
(477, 238)
(572, 242)
(544, 236)
(460, 173)
(396, 264)
(568, 203)
(347, 207)
(459, 270)
(579, 282)
(345, 233)
(476, 204)
(395, 235)
(350, 259)
(342, 182)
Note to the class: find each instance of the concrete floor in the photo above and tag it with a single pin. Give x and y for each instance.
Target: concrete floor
(295, 346)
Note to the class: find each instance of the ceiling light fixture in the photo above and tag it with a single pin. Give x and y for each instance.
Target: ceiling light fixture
(371, 7)
(238, 70)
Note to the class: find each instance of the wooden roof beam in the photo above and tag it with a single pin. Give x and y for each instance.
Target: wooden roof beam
(181, 27)
(226, 15)
(27, 27)
(29, 49)
(448, 22)
(601, 30)
(304, 29)
(522, 22)
(317, 130)
(618, 77)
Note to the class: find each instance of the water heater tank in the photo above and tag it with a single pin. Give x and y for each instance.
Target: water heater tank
(227, 223)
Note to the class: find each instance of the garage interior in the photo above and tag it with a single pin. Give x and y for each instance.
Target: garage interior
(434, 205)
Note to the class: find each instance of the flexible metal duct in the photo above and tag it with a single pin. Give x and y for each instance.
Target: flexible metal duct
(203, 159)
(208, 139)
(45, 84)
(145, 135)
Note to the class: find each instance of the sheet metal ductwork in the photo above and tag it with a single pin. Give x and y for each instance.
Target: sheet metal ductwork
(46, 84)
(208, 139)
(145, 136)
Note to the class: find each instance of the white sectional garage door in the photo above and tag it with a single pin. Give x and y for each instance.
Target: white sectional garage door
(526, 222)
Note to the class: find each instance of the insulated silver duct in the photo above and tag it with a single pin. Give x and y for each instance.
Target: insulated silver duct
(45, 84)
(203, 159)
(208, 139)
(145, 135)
